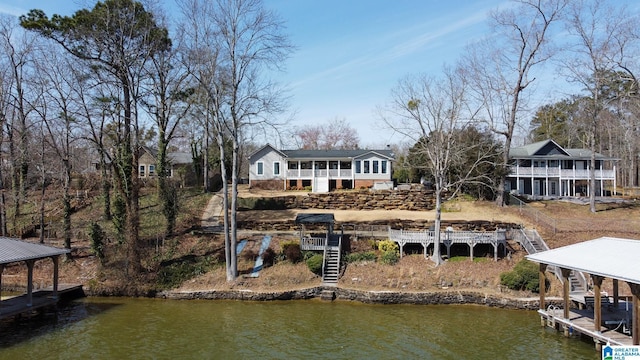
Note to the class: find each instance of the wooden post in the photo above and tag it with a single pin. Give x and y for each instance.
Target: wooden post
(55, 276)
(635, 315)
(597, 303)
(565, 292)
(616, 294)
(1, 270)
(542, 278)
(30, 282)
(471, 249)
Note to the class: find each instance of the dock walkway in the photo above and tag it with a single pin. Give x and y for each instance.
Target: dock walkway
(614, 323)
(42, 298)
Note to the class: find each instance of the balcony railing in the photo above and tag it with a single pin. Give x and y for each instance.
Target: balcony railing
(563, 173)
(308, 173)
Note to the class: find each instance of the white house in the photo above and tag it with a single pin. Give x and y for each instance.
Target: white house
(320, 170)
(545, 169)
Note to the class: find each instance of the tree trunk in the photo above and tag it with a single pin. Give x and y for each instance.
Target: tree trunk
(106, 189)
(66, 200)
(231, 276)
(234, 207)
(436, 258)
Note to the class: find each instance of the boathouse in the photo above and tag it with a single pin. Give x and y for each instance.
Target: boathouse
(606, 319)
(17, 251)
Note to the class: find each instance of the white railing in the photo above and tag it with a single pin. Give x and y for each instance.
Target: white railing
(308, 173)
(564, 173)
(312, 243)
(403, 237)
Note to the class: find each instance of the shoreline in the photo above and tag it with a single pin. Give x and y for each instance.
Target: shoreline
(330, 293)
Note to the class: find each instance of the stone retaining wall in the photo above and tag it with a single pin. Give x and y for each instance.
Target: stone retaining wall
(419, 199)
(372, 297)
(379, 225)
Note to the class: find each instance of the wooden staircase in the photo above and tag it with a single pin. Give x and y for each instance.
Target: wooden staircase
(533, 243)
(331, 271)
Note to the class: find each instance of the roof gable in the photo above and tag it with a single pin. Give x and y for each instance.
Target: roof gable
(540, 148)
(266, 148)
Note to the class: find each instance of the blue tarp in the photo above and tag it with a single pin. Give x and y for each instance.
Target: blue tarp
(266, 240)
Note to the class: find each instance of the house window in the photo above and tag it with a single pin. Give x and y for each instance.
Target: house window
(366, 166)
(260, 168)
(383, 166)
(375, 166)
(276, 168)
(142, 171)
(358, 167)
(152, 170)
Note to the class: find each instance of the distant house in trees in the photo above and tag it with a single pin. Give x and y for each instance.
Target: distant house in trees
(181, 165)
(320, 170)
(546, 170)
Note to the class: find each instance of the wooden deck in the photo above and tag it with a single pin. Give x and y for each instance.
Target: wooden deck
(614, 323)
(42, 298)
(448, 238)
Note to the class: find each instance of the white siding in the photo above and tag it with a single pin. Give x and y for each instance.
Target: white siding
(267, 156)
(372, 163)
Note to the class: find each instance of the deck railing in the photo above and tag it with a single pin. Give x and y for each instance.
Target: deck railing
(312, 243)
(403, 237)
(563, 173)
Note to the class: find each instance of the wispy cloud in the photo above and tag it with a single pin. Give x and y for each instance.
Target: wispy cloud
(11, 9)
(391, 47)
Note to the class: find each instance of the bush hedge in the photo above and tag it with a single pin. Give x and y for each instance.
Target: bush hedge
(314, 263)
(524, 276)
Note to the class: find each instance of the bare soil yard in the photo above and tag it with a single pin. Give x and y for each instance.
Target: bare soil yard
(413, 273)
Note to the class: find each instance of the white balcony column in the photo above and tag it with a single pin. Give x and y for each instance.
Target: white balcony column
(601, 180)
(614, 180)
(533, 184)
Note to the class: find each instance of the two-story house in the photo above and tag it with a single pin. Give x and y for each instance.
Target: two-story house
(544, 169)
(320, 170)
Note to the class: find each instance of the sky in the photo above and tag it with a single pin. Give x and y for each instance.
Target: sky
(350, 54)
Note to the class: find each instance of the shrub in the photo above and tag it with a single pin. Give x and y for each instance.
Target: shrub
(268, 257)
(387, 245)
(174, 274)
(249, 255)
(357, 257)
(390, 257)
(291, 251)
(524, 276)
(314, 263)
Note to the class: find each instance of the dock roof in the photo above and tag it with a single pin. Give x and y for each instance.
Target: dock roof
(14, 250)
(609, 257)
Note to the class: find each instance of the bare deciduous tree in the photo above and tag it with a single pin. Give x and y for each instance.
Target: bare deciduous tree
(500, 71)
(239, 41)
(337, 134)
(433, 113)
(594, 27)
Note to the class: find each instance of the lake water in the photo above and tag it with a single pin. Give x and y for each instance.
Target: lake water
(124, 328)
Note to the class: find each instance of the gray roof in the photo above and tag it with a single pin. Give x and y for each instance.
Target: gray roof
(549, 149)
(178, 157)
(613, 258)
(322, 218)
(335, 154)
(14, 250)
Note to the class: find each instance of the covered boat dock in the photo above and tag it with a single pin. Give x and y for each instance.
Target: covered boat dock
(612, 321)
(16, 251)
